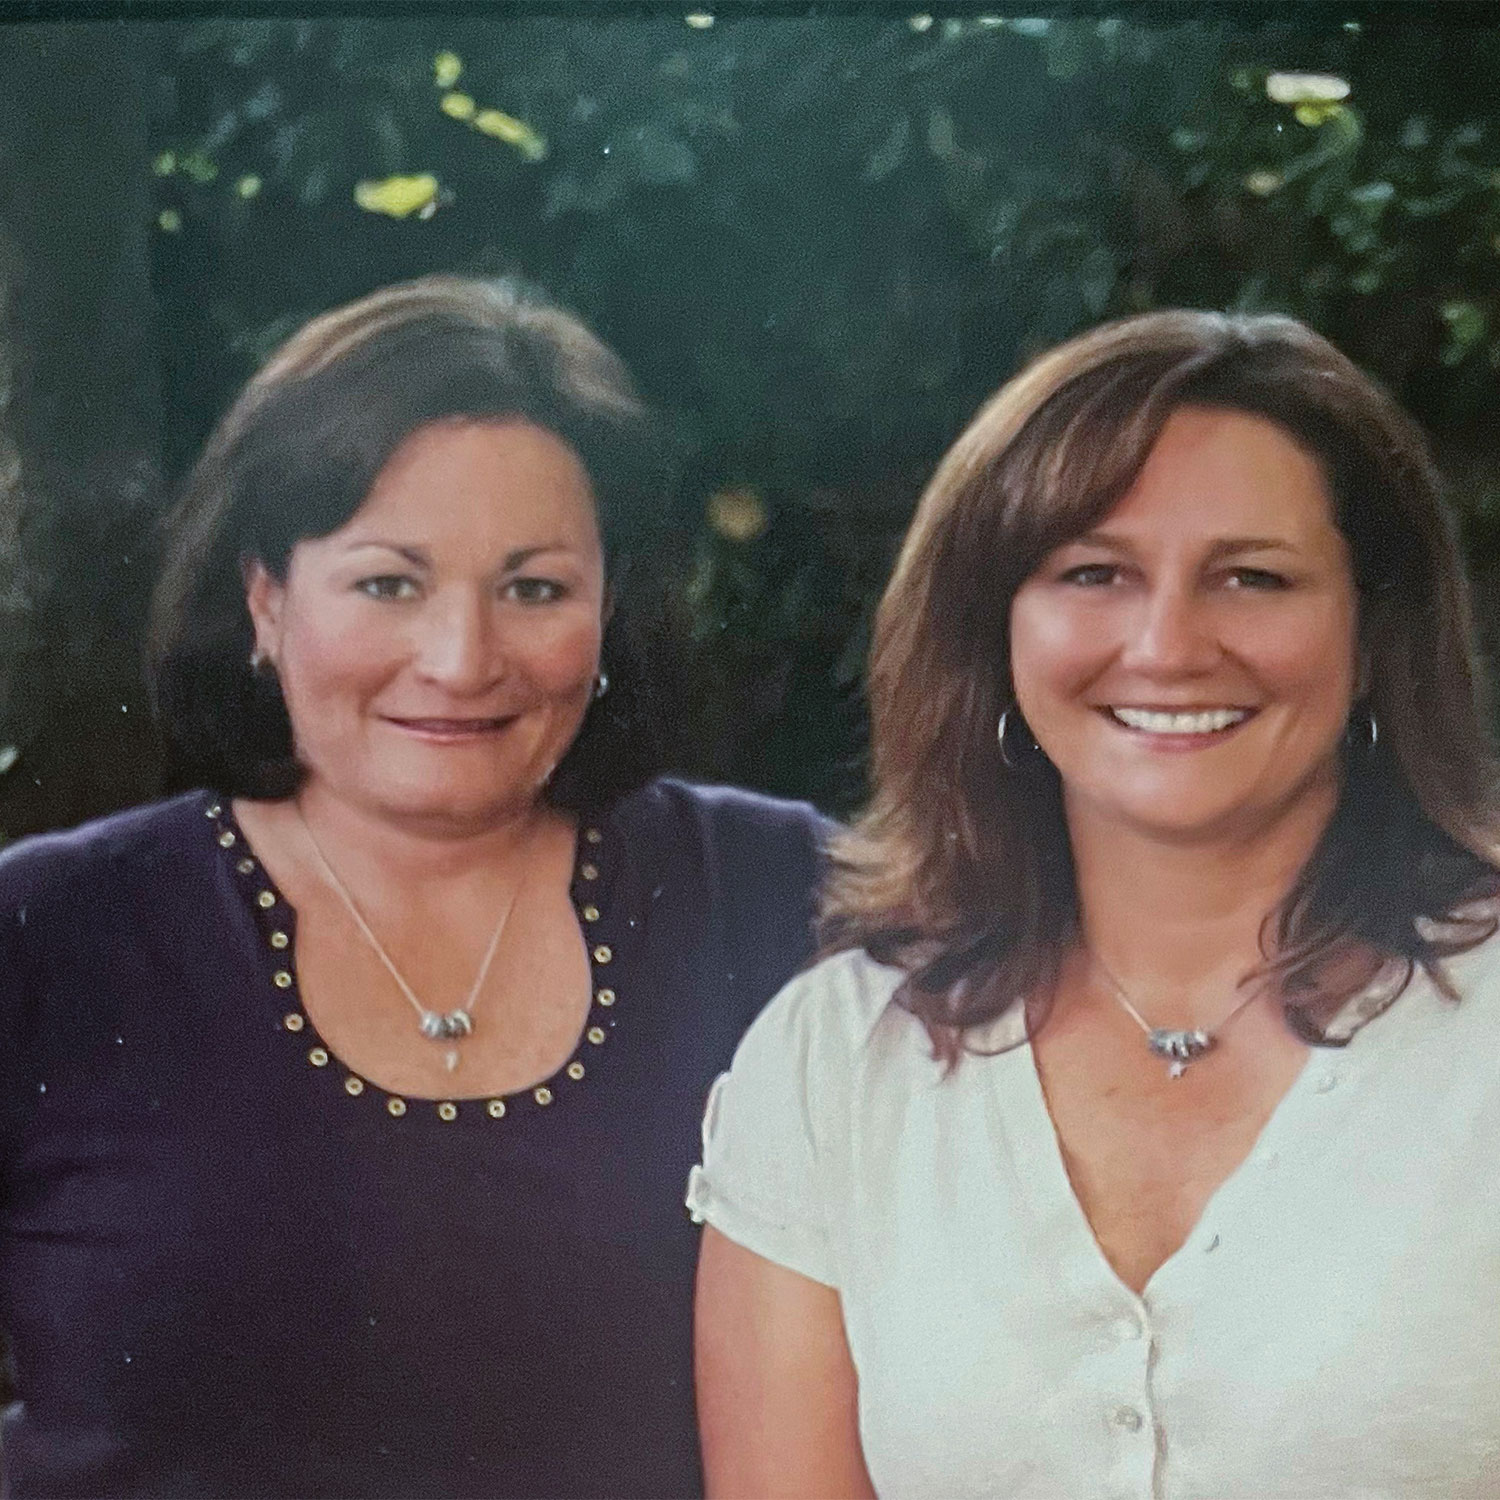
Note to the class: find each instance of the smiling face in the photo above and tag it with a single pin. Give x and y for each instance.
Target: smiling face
(438, 651)
(1189, 665)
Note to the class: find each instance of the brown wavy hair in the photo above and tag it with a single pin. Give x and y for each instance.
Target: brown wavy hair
(960, 871)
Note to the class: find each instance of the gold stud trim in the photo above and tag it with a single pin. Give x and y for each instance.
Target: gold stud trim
(226, 840)
(446, 1110)
(245, 866)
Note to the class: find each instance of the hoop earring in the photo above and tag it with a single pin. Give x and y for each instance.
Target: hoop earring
(601, 685)
(1363, 730)
(1002, 729)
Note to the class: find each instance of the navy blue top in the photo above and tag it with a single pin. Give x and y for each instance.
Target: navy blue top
(228, 1266)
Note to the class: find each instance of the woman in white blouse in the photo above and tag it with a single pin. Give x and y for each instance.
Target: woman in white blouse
(1140, 1136)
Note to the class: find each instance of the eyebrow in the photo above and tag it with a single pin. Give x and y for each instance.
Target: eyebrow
(1229, 546)
(418, 558)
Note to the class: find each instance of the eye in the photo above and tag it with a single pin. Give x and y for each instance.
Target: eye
(1091, 575)
(1256, 578)
(535, 590)
(389, 586)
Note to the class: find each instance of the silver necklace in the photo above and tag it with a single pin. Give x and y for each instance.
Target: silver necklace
(1177, 1046)
(435, 1025)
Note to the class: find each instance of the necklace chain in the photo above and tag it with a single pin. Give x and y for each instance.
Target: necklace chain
(438, 1026)
(1177, 1046)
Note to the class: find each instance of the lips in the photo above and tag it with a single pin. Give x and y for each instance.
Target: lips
(452, 728)
(1179, 721)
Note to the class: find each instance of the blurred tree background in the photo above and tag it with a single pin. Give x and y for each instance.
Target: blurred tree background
(819, 241)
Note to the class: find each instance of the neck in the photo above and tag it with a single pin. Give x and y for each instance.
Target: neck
(417, 852)
(1180, 924)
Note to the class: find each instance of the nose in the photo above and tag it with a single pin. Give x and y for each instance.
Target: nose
(458, 647)
(1172, 633)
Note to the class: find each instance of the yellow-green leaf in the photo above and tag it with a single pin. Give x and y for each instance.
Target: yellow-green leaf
(398, 197)
(738, 514)
(1263, 182)
(198, 167)
(1313, 115)
(248, 186)
(446, 69)
(169, 221)
(530, 143)
(457, 106)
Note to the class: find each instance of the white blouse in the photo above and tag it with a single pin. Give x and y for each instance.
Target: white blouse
(1331, 1327)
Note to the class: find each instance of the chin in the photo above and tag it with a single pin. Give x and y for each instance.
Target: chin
(457, 801)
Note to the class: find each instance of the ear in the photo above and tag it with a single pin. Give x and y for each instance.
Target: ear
(263, 599)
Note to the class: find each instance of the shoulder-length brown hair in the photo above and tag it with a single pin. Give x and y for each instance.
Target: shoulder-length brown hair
(960, 870)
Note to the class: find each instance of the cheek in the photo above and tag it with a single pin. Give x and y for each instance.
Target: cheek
(337, 652)
(1309, 653)
(1052, 650)
(562, 657)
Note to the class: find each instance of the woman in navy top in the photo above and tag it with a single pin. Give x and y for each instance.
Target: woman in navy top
(344, 1109)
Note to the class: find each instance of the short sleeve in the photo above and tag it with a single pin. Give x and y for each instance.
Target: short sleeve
(759, 1184)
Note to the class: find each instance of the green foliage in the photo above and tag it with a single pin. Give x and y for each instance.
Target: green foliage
(821, 241)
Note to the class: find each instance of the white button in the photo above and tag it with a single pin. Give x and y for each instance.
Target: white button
(1127, 1417)
(1327, 1082)
(1125, 1329)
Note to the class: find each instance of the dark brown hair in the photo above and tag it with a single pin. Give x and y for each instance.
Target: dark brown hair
(297, 453)
(960, 870)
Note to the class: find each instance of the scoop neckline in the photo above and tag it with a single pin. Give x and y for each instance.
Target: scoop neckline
(274, 919)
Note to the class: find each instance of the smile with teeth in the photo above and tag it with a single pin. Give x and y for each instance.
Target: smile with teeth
(1198, 721)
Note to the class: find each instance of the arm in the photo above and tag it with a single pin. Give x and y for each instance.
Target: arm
(777, 1392)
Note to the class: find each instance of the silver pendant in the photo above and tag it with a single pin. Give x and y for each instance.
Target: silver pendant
(440, 1026)
(1179, 1048)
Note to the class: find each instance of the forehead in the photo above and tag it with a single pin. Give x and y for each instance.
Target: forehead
(1218, 471)
(481, 477)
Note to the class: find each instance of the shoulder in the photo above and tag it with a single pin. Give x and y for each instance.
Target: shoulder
(74, 909)
(746, 866)
(723, 817)
(750, 855)
(827, 1017)
(66, 865)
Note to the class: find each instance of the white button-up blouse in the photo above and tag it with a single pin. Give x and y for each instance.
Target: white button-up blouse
(1330, 1328)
